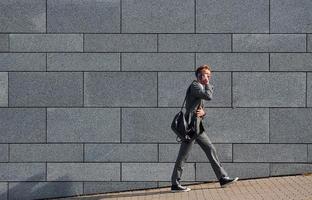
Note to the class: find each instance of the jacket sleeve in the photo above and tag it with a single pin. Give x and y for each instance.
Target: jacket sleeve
(197, 91)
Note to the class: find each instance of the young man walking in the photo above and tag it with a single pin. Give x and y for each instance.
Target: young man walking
(200, 90)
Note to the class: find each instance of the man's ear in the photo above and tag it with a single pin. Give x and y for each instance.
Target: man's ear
(198, 75)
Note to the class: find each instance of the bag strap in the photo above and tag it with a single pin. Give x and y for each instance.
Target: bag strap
(186, 95)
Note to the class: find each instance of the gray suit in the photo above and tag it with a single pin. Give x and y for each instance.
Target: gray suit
(196, 94)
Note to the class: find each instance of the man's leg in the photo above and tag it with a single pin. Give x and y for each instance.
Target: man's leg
(205, 143)
(184, 151)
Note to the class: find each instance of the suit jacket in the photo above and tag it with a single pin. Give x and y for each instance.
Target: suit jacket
(195, 95)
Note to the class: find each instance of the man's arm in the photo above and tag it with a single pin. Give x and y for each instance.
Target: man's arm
(198, 92)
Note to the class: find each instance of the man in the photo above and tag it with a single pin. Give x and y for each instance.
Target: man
(200, 90)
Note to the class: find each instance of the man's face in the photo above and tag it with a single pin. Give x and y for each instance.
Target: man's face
(204, 76)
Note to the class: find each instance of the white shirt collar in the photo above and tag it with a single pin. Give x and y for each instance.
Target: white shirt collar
(201, 85)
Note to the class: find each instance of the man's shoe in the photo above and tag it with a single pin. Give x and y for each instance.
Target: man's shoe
(179, 188)
(225, 181)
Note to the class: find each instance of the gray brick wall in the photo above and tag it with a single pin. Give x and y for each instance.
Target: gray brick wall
(88, 89)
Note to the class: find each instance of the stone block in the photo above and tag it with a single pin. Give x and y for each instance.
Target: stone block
(226, 16)
(137, 89)
(83, 16)
(121, 152)
(120, 43)
(289, 16)
(46, 89)
(46, 152)
(269, 153)
(269, 43)
(23, 16)
(148, 16)
(83, 172)
(83, 62)
(83, 125)
(23, 125)
(264, 89)
(194, 42)
(290, 125)
(46, 42)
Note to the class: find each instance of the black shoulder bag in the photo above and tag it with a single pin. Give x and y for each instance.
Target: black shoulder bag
(180, 126)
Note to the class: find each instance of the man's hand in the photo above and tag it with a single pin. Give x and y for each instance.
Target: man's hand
(200, 112)
(206, 82)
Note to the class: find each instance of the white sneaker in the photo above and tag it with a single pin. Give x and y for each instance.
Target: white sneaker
(179, 188)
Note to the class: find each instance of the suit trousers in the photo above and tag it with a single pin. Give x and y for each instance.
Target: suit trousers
(204, 142)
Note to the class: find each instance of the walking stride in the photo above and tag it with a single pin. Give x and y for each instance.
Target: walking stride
(199, 90)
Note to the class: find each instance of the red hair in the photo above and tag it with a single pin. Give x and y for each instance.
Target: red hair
(202, 67)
